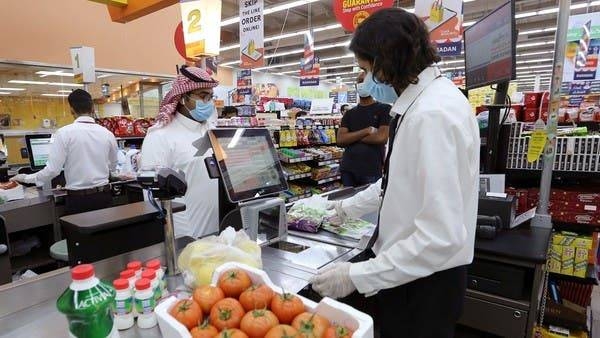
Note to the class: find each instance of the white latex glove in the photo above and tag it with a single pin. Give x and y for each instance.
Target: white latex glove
(19, 178)
(339, 217)
(334, 281)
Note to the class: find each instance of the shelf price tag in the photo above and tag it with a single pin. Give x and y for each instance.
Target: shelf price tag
(201, 27)
(537, 142)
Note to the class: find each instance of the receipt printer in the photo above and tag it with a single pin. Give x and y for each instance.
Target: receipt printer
(504, 207)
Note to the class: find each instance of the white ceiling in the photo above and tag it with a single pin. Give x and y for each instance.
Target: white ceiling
(536, 23)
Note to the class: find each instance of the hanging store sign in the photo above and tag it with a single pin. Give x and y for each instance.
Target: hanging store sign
(350, 13)
(201, 27)
(84, 64)
(252, 33)
(244, 82)
(582, 50)
(444, 20)
(310, 69)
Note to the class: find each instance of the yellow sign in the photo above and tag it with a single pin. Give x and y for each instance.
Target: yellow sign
(112, 2)
(537, 142)
(201, 27)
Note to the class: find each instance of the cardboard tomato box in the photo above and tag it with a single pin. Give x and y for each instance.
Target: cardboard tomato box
(576, 217)
(532, 100)
(334, 311)
(530, 114)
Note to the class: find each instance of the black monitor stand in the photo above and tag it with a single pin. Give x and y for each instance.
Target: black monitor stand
(490, 165)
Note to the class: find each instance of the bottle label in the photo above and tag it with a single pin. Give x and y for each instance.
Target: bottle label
(157, 293)
(145, 306)
(89, 312)
(123, 306)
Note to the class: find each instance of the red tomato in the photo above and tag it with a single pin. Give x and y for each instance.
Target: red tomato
(207, 296)
(286, 307)
(310, 325)
(257, 323)
(204, 330)
(233, 282)
(226, 314)
(231, 333)
(187, 312)
(338, 331)
(256, 297)
(282, 331)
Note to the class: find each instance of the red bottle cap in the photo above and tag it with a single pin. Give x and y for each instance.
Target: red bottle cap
(126, 274)
(121, 284)
(142, 284)
(83, 271)
(134, 265)
(153, 264)
(149, 274)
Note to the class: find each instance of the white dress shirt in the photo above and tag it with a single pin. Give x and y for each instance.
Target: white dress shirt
(86, 151)
(171, 147)
(429, 212)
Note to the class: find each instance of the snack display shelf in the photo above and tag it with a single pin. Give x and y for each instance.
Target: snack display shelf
(298, 176)
(326, 162)
(129, 138)
(327, 179)
(295, 160)
(590, 276)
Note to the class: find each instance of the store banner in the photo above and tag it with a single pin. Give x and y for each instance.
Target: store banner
(244, 82)
(310, 69)
(201, 27)
(444, 20)
(84, 64)
(252, 33)
(583, 48)
(350, 13)
(457, 77)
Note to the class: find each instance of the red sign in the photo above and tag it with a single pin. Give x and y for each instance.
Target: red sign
(350, 13)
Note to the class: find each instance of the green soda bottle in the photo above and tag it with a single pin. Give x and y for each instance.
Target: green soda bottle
(88, 303)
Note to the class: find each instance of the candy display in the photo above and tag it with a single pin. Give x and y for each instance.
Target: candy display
(325, 171)
(306, 137)
(570, 253)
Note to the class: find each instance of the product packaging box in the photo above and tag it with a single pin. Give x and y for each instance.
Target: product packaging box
(554, 265)
(583, 242)
(568, 260)
(564, 238)
(581, 262)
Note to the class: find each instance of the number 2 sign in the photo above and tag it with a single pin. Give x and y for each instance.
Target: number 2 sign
(201, 27)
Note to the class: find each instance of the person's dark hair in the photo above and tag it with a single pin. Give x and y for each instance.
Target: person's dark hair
(397, 44)
(81, 102)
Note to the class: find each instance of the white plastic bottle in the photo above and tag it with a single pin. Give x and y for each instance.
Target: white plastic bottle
(145, 304)
(160, 274)
(150, 274)
(137, 267)
(123, 309)
(130, 276)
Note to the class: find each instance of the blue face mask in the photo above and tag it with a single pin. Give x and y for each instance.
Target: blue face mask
(379, 91)
(362, 92)
(203, 110)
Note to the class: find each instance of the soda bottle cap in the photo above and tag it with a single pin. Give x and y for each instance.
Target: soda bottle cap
(149, 274)
(126, 274)
(153, 264)
(83, 271)
(121, 284)
(142, 284)
(134, 265)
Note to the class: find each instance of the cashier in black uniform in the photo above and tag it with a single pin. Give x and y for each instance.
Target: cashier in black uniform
(87, 152)
(429, 192)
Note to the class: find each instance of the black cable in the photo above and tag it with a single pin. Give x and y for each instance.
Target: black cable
(161, 213)
(507, 109)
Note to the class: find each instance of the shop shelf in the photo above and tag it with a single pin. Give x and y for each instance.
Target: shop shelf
(327, 180)
(130, 138)
(295, 160)
(298, 176)
(326, 162)
(590, 276)
(297, 198)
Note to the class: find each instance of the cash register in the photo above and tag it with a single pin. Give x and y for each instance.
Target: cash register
(250, 173)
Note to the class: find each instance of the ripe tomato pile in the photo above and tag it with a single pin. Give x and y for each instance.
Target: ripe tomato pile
(237, 309)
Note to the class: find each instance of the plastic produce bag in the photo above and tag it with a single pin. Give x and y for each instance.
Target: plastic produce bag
(199, 259)
(308, 214)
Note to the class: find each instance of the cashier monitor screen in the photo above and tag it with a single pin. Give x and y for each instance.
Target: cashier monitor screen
(248, 162)
(490, 46)
(38, 147)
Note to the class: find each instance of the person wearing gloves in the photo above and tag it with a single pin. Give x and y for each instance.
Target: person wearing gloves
(87, 152)
(428, 195)
(185, 115)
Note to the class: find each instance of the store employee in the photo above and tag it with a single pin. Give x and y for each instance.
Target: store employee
(87, 152)
(186, 114)
(429, 192)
